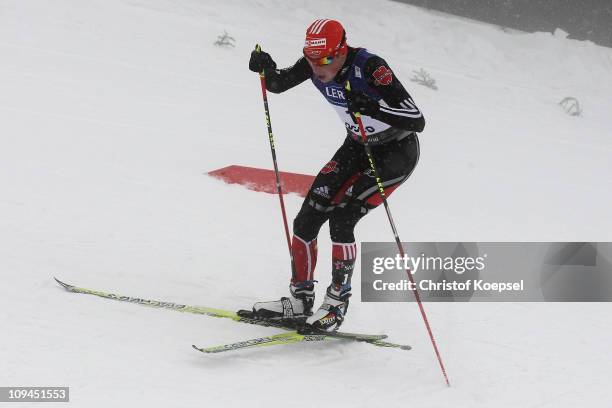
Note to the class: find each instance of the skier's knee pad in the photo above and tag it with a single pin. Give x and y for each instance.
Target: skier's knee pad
(343, 220)
(308, 222)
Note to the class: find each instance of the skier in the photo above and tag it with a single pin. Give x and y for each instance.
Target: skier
(345, 189)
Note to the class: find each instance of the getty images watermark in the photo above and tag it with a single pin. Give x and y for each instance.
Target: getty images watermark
(487, 271)
(458, 265)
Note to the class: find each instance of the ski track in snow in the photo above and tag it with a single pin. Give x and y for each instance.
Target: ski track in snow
(111, 113)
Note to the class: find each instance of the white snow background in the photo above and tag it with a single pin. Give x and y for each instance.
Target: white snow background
(111, 113)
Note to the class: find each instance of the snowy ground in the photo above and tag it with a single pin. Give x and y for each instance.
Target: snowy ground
(111, 111)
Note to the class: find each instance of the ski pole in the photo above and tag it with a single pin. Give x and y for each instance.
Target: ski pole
(262, 78)
(381, 190)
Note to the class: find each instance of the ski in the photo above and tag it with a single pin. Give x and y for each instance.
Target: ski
(178, 307)
(242, 316)
(294, 337)
(278, 339)
(298, 325)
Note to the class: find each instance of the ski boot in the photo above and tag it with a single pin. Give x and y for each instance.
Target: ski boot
(295, 307)
(330, 314)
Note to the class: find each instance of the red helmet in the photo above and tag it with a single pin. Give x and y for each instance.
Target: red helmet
(325, 38)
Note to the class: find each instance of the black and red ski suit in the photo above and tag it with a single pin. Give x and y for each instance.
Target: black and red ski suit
(345, 188)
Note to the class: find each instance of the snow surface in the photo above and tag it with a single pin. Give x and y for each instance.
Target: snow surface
(111, 113)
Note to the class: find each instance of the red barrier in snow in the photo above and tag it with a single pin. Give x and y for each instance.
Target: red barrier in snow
(264, 180)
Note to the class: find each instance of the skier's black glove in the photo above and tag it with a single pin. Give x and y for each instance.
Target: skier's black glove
(261, 60)
(361, 102)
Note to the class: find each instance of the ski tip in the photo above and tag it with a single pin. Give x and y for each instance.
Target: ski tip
(201, 350)
(63, 284)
